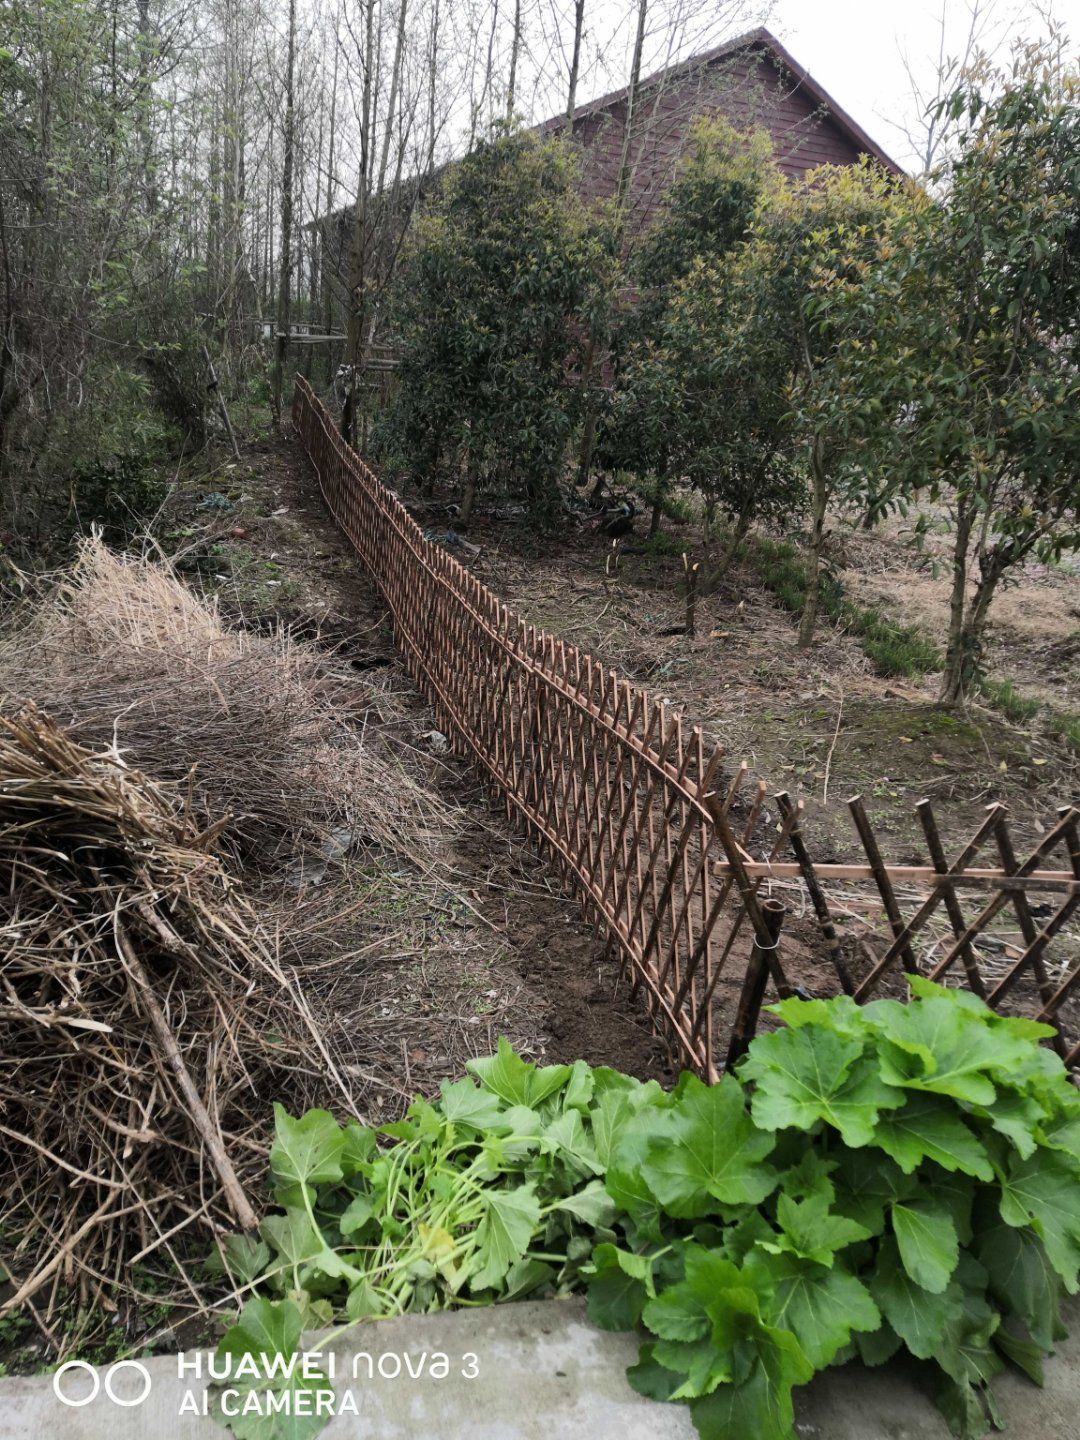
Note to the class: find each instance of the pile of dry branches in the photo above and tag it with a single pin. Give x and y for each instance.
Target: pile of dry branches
(121, 653)
(145, 1023)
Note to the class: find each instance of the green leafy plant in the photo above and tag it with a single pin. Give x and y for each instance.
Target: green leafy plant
(905, 1176)
(894, 1175)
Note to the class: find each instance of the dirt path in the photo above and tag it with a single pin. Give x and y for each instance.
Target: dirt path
(507, 952)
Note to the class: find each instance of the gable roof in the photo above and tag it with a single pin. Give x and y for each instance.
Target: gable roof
(762, 40)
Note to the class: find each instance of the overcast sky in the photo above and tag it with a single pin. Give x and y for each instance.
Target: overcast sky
(854, 48)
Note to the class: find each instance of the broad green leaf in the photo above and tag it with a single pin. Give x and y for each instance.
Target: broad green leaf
(739, 1239)
(809, 1230)
(1022, 1279)
(929, 1128)
(940, 1046)
(1044, 1191)
(810, 1177)
(1017, 1117)
(292, 1236)
(840, 1014)
(927, 1241)
(678, 1313)
(615, 1109)
(358, 1147)
(356, 1215)
(306, 1151)
(264, 1329)
(362, 1302)
(803, 1076)
(711, 1151)
(962, 1405)
(700, 1365)
(866, 1182)
(245, 1257)
(956, 1194)
(1024, 1354)
(918, 1316)
(517, 1081)
(567, 1137)
(591, 1205)
(579, 1087)
(630, 1192)
(298, 1417)
(753, 1408)
(269, 1331)
(465, 1104)
(876, 1346)
(648, 1377)
(820, 1306)
(619, 1288)
(504, 1234)
(526, 1276)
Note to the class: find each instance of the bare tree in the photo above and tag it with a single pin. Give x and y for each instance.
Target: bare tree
(284, 305)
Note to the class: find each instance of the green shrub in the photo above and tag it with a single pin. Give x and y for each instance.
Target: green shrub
(877, 1178)
(118, 497)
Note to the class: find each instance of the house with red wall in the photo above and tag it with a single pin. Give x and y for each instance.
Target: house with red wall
(752, 81)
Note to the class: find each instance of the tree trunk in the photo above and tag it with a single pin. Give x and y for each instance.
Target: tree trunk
(625, 161)
(731, 549)
(657, 509)
(598, 336)
(468, 494)
(284, 307)
(588, 429)
(358, 259)
(575, 63)
(515, 48)
(819, 505)
(329, 227)
(953, 681)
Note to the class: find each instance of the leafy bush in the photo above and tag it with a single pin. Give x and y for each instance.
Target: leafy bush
(873, 1178)
(494, 289)
(118, 497)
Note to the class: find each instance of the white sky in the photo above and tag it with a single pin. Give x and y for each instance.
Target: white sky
(854, 49)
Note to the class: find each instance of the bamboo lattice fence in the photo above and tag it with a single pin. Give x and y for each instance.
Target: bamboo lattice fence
(664, 844)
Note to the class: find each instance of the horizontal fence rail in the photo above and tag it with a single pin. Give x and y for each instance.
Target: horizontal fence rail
(663, 844)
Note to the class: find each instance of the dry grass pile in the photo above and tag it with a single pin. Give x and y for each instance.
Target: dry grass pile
(122, 654)
(145, 1024)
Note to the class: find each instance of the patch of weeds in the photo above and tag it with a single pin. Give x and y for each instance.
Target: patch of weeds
(663, 544)
(1065, 725)
(1004, 696)
(903, 650)
(13, 1328)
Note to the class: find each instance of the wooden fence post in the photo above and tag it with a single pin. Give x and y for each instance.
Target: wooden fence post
(757, 977)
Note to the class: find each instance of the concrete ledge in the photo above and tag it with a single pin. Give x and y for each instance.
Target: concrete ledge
(542, 1372)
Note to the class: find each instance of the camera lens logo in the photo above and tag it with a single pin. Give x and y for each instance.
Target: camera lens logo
(71, 1391)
